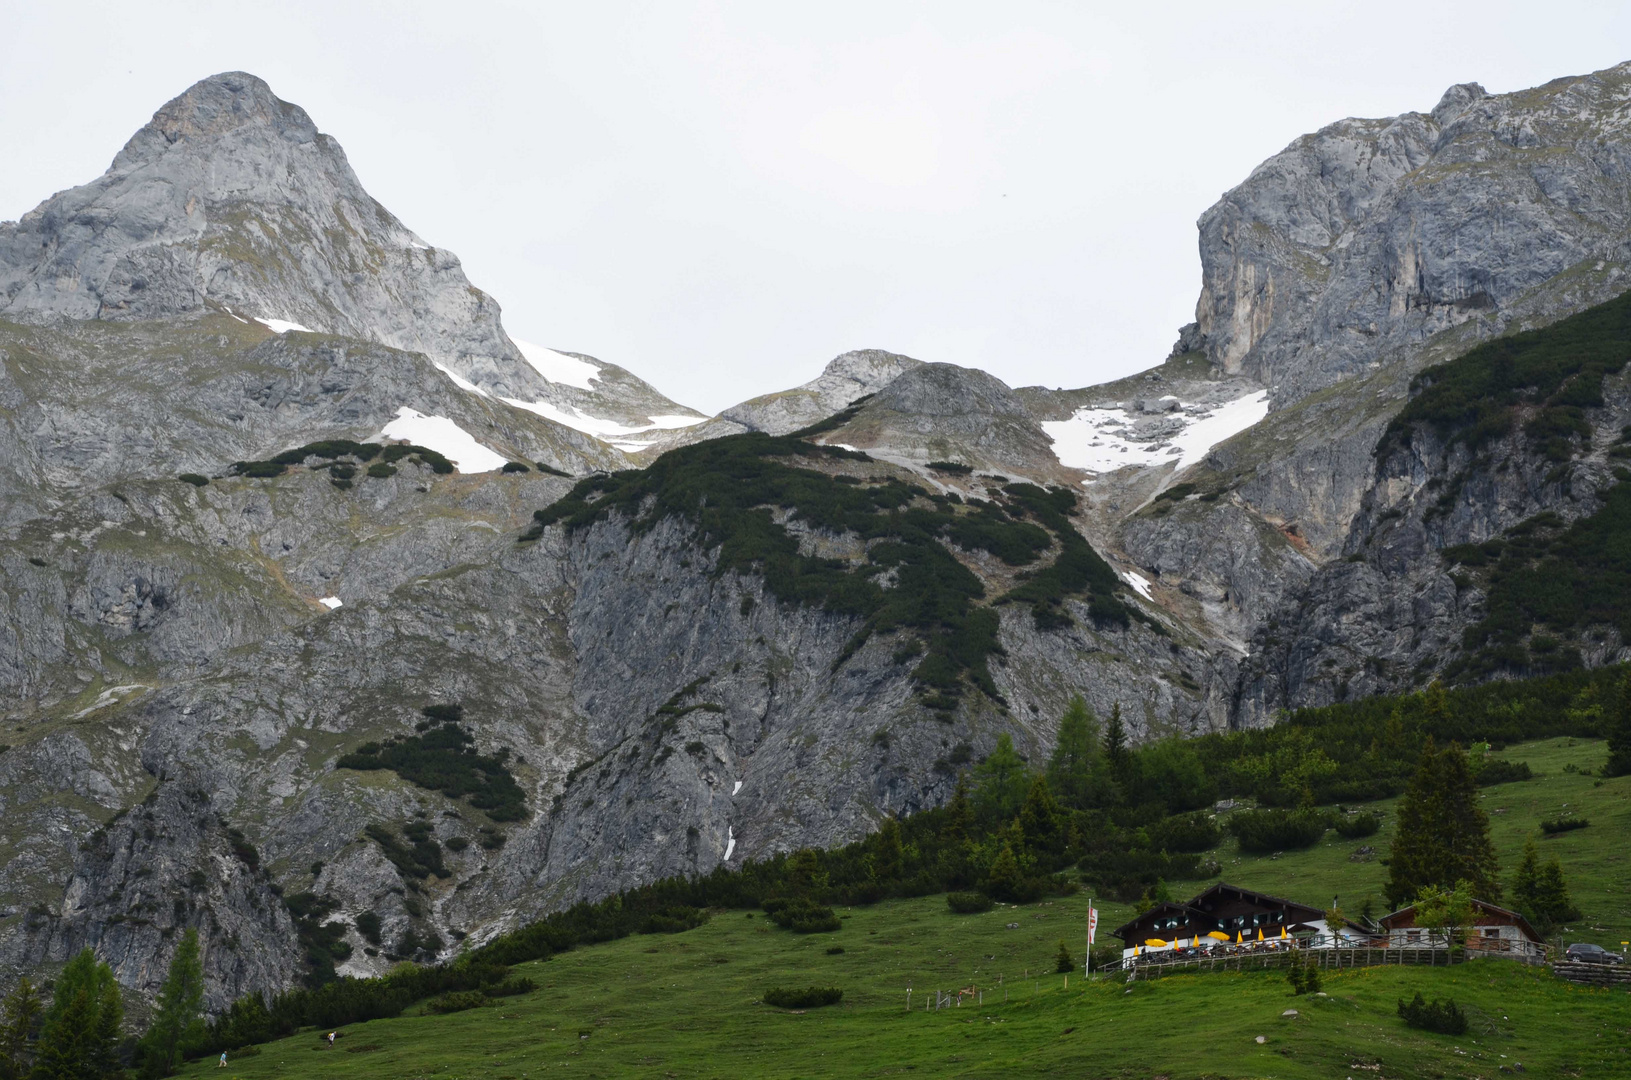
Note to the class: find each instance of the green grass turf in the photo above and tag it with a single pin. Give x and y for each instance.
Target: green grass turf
(687, 1005)
(1596, 860)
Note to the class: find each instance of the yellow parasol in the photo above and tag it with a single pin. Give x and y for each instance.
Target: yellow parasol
(1282, 933)
(1154, 942)
(1237, 937)
(1259, 933)
(1218, 935)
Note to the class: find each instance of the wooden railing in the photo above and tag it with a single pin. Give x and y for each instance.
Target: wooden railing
(1322, 952)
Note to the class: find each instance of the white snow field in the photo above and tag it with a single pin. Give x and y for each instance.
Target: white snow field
(459, 380)
(282, 326)
(606, 430)
(558, 367)
(331, 602)
(442, 435)
(1095, 439)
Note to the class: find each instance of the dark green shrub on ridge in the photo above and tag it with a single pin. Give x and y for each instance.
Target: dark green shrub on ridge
(674, 920)
(813, 997)
(968, 903)
(1444, 1017)
(802, 915)
(725, 487)
(1266, 831)
(1357, 826)
(458, 1001)
(442, 757)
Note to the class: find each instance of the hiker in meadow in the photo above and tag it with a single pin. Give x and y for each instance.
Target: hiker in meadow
(223, 1062)
(331, 1037)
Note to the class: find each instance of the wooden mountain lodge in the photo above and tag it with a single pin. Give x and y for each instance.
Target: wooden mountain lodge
(1493, 930)
(1222, 914)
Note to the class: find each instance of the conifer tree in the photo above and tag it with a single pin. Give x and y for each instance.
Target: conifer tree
(1063, 963)
(1070, 769)
(1442, 835)
(180, 1009)
(1552, 899)
(957, 844)
(1526, 884)
(1619, 732)
(1540, 894)
(19, 1014)
(1006, 881)
(79, 1037)
(1046, 827)
(1000, 783)
(65, 1051)
(1115, 736)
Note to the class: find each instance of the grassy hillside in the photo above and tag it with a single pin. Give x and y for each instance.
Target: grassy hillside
(1596, 860)
(687, 1005)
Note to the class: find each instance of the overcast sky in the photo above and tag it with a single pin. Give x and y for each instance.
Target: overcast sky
(721, 197)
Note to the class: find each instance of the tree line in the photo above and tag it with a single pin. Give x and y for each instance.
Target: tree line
(79, 1034)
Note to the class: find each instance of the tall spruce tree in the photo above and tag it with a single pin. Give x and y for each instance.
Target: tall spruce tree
(79, 1038)
(179, 1015)
(1619, 731)
(1526, 885)
(1115, 736)
(19, 1016)
(1540, 894)
(1442, 836)
(1001, 782)
(1046, 827)
(1070, 769)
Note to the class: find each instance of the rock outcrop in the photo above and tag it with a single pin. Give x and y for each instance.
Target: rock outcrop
(845, 379)
(1369, 236)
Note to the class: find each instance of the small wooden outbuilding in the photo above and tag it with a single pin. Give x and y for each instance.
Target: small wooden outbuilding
(1494, 930)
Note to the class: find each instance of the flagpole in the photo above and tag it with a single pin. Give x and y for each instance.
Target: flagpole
(1087, 956)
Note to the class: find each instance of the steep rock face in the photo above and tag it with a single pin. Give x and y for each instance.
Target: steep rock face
(96, 403)
(162, 867)
(1392, 614)
(572, 653)
(1370, 235)
(845, 378)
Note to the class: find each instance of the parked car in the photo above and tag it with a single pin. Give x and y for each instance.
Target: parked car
(1584, 953)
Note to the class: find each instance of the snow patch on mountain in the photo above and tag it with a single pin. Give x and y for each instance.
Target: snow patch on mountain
(558, 367)
(1140, 583)
(609, 430)
(282, 326)
(442, 435)
(1104, 440)
(459, 380)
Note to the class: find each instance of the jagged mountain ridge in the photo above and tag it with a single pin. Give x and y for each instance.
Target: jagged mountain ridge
(231, 201)
(167, 647)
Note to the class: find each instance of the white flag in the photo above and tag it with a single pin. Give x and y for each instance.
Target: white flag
(1092, 923)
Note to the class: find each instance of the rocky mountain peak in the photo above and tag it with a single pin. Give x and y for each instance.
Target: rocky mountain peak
(1357, 242)
(846, 377)
(230, 200)
(1455, 101)
(947, 390)
(214, 107)
(869, 369)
